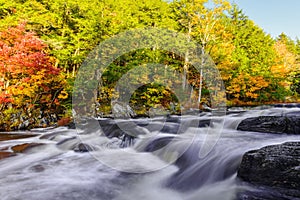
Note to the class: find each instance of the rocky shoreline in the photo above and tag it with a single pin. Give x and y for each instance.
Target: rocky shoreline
(272, 124)
(273, 171)
(275, 168)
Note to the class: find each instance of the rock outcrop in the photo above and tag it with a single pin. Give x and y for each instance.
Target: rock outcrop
(276, 167)
(271, 124)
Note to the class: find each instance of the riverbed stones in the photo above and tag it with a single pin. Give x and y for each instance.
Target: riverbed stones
(82, 147)
(275, 166)
(271, 124)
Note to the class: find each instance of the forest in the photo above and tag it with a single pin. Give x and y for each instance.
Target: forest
(43, 43)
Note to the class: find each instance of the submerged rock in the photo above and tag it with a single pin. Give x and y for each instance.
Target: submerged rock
(12, 136)
(276, 167)
(21, 148)
(271, 124)
(269, 193)
(82, 147)
(5, 154)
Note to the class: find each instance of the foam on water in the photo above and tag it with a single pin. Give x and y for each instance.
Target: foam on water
(163, 163)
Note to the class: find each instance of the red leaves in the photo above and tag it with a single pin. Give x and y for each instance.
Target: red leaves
(28, 78)
(5, 98)
(22, 52)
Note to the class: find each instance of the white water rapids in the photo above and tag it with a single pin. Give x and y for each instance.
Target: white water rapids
(57, 170)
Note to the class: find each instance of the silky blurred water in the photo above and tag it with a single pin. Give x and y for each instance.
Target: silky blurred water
(163, 162)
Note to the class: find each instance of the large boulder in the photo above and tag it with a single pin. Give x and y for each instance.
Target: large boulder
(271, 124)
(275, 167)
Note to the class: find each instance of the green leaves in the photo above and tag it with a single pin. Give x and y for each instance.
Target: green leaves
(255, 67)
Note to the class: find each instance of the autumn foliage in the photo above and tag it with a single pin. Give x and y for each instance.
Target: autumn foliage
(255, 67)
(29, 82)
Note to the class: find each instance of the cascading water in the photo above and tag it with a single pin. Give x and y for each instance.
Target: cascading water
(92, 164)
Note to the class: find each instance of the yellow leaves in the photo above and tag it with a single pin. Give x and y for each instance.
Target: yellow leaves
(234, 87)
(63, 95)
(258, 82)
(284, 55)
(286, 63)
(251, 95)
(280, 70)
(246, 86)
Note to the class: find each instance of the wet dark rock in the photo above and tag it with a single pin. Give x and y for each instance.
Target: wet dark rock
(66, 140)
(82, 147)
(204, 123)
(110, 128)
(127, 141)
(287, 105)
(71, 125)
(275, 166)
(173, 118)
(268, 193)
(37, 168)
(158, 143)
(272, 124)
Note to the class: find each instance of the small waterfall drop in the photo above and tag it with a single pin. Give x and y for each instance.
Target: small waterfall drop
(152, 158)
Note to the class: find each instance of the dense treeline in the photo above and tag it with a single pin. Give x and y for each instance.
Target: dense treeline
(44, 42)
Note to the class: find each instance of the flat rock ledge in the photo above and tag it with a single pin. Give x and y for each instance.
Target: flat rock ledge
(271, 124)
(273, 170)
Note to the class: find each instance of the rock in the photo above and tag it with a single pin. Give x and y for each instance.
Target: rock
(271, 124)
(37, 168)
(82, 147)
(12, 136)
(276, 166)
(21, 148)
(24, 125)
(71, 125)
(158, 144)
(122, 110)
(268, 193)
(5, 154)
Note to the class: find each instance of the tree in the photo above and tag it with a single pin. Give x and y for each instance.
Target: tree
(205, 25)
(250, 76)
(29, 82)
(286, 68)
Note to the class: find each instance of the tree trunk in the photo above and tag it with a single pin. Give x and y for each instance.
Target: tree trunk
(201, 74)
(186, 60)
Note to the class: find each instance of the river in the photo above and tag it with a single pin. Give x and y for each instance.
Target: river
(166, 158)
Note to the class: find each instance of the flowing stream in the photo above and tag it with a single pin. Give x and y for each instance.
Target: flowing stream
(159, 158)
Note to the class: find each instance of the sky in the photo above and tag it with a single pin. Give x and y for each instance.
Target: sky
(274, 16)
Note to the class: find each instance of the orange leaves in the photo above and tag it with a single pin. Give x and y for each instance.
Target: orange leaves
(247, 87)
(279, 70)
(28, 78)
(21, 52)
(258, 82)
(5, 98)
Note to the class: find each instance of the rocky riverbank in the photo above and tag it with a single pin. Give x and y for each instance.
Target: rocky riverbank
(272, 124)
(273, 172)
(275, 168)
